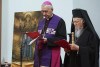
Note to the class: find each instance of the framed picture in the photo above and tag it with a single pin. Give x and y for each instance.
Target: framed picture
(22, 52)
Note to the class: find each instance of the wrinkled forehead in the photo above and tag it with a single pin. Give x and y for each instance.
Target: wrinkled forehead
(77, 19)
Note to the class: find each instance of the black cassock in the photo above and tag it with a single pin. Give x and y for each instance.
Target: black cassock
(87, 56)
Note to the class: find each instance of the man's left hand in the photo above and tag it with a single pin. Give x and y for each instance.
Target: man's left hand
(74, 47)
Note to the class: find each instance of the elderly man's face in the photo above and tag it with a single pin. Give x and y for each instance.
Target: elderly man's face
(47, 12)
(78, 23)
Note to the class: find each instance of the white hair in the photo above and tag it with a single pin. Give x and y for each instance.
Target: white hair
(50, 6)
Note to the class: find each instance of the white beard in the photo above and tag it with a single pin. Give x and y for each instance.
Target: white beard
(78, 32)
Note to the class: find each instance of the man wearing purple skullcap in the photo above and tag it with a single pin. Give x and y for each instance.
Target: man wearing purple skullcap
(52, 28)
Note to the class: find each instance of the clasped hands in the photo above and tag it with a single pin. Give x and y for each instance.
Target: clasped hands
(41, 41)
(45, 40)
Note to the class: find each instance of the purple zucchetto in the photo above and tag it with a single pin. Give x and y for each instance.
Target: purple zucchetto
(47, 3)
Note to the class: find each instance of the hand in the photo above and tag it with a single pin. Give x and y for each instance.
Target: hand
(45, 40)
(74, 47)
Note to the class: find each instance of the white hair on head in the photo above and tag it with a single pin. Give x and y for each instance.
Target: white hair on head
(50, 6)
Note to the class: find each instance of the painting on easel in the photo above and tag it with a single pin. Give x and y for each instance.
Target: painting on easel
(24, 22)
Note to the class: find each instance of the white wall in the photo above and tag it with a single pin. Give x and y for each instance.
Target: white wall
(4, 31)
(62, 8)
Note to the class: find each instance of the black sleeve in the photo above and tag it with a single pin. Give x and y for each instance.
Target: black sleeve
(87, 52)
(60, 34)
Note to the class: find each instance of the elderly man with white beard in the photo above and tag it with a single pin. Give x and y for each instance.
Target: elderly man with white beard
(85, 49)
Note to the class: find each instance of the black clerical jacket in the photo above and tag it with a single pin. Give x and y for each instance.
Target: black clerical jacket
(87, 56)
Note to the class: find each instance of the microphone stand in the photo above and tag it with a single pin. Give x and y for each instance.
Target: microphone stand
(21, 46)
(21, 49)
